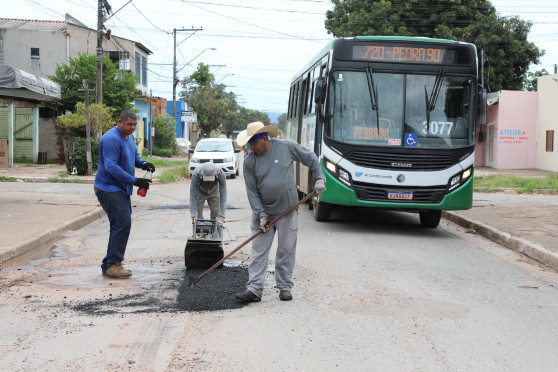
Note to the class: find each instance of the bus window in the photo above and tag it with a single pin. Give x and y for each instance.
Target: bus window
(290, 109)
(354, 117)
(447, 125)
(295, 99)
(304, 99)
(315, 77)
(309, 91)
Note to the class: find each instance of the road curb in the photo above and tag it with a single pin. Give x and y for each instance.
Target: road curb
(31, 243)
(530, 249)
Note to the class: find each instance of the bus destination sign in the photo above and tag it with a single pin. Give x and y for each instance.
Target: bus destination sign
(405, 53)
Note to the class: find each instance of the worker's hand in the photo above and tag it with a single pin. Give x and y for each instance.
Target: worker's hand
(148, 166)
(142, 182)
(319, 186)
(220, 220)
(265, 226)
(193, 220)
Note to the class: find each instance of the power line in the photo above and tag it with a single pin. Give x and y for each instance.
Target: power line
(237, 20)
(147, 19)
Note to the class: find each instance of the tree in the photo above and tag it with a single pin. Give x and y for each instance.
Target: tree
(209, 100)
(239, 117)
(282, 121)
(73, 126)
(118, 87)
(504, 40)
(531, 78)
(164, 143)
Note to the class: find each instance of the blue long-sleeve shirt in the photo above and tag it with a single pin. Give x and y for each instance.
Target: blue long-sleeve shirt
(117, 159)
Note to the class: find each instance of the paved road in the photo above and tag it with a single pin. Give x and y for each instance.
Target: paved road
(524, 223)
(374, 291)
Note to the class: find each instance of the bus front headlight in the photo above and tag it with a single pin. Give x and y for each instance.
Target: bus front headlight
(459, 178)
(344, 177)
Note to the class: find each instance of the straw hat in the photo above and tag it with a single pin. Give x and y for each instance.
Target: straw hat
(253, 129)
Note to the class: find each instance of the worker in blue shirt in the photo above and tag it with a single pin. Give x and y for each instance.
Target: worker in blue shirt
(114, 181)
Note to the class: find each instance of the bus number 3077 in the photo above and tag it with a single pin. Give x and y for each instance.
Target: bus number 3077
(438, 127)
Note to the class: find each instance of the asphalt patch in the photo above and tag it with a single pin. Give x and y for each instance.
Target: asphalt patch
(214, 292)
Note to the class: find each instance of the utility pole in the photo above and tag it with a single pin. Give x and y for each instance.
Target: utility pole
(175, 80)
(88, 156)
(99, 51)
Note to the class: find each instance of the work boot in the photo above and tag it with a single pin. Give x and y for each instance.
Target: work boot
(247, 296)
(285, 295)
(118, 271)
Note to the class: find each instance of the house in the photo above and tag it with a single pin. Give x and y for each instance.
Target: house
(25, 101)
(547, 123)
(508, 140)
(37, 46)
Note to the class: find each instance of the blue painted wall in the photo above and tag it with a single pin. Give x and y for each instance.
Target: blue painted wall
(180, 106)
(143, 114)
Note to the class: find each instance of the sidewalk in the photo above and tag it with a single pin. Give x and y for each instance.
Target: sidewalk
(524, 223)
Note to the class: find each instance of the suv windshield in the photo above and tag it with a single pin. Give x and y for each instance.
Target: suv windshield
(214, 146)
(387, 109)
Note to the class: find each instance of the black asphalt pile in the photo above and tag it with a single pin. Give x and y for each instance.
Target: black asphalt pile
(212, 293)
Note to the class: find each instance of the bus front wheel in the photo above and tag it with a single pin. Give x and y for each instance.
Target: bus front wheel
(322, 210)
(430, 218)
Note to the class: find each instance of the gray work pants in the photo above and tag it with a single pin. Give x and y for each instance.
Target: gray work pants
(287, 231)
(213, 200)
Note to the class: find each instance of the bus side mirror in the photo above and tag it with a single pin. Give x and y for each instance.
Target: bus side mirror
(320, 89)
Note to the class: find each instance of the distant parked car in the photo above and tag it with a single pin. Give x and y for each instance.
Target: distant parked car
(220, 151)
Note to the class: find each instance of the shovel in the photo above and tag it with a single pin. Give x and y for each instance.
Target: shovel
(192, 281)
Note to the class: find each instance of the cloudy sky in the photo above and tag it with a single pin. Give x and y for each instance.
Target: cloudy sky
(259, 44)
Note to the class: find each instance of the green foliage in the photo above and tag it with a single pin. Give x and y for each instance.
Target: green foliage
(504, 40)
(162, 163)
(23, 160)
(166, 153)
(174, 174)
(165, 135)
(530, 79)
(529, 185)
(79, 156)
(100, 119)
(282, 121)
(238, 118)
(118, 86)
(209, 100)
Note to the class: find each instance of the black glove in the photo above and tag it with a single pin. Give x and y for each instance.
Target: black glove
(148, 166)
(142, 182)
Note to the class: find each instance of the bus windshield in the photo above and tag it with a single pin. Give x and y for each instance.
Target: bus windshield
(400, 110)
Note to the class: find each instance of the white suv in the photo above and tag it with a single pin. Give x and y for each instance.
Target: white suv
(220, 151)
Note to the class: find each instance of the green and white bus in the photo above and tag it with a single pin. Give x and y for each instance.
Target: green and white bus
(392, 120)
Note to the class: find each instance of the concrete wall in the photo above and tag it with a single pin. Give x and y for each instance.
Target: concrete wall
(509, 136)
(547, 120)
(56, 46)
(515, 134)
(17, 44)
(50, 140)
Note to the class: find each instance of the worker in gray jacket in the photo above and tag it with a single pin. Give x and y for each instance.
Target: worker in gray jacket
(271, 189)
(208, 183)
